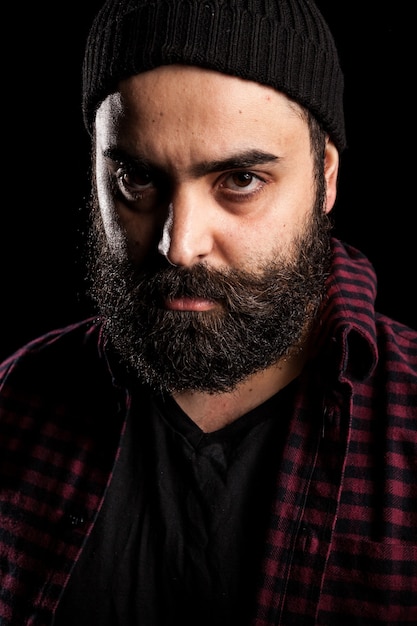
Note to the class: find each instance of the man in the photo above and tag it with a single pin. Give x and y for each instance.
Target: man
(232, 438)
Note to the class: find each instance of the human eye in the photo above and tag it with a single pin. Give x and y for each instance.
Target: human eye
(133, 181)
(242, 184)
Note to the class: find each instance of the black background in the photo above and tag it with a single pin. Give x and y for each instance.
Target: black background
(46, 159)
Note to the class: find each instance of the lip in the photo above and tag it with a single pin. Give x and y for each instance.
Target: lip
(190, 304)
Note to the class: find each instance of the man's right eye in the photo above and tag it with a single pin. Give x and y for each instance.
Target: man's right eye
(133, 180)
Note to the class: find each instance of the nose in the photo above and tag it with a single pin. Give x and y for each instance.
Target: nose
(186, 235)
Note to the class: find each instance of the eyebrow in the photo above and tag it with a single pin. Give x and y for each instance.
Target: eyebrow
(241, 160)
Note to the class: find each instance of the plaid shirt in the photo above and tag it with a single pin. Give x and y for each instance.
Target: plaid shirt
(341, 547)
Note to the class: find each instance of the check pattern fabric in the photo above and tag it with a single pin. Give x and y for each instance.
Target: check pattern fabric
(341, 547)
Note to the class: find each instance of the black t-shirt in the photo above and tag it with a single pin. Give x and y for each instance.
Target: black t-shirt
(181, 533)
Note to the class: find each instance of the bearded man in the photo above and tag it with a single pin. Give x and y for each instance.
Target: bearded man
(229, 439)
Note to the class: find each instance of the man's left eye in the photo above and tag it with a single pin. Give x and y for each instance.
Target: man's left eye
(242, 179)
(237, 181)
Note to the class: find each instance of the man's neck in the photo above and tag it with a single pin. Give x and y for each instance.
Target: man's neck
(212, 411)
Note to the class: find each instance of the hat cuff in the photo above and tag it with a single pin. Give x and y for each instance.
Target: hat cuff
(221, 36)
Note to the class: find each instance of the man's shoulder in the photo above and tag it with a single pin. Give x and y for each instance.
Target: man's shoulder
(396, 368)
(399, 336)
(62, 378)
(352, 299)
(61, 354)
(65, 337)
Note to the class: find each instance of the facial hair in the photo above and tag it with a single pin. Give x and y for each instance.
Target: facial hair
(263, 317)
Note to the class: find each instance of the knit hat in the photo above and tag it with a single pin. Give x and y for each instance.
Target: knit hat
(285, 44)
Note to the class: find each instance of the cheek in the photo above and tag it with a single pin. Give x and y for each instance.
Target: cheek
(246, 243)
(129, 234)
(259, 240)
(108, 212)
(141, 234)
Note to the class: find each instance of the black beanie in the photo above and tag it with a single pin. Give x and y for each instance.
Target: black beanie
(285, 44)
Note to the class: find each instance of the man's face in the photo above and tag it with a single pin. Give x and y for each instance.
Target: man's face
(211, 233)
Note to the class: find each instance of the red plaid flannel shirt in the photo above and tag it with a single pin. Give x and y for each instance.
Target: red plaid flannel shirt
(341, 548)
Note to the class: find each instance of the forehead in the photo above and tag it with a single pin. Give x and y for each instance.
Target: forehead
(180, 105)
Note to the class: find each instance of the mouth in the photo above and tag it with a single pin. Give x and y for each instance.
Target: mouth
(187, 303)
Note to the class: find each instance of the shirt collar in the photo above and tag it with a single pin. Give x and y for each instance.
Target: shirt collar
(347, 318)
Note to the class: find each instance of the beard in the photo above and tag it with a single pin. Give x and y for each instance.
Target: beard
(264, 314)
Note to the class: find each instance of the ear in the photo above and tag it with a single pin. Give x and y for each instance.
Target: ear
(331, 170)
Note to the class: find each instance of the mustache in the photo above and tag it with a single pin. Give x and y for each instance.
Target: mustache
(245, 292)
(201, 282)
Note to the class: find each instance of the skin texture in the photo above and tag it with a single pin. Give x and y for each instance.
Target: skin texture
(201, 168)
